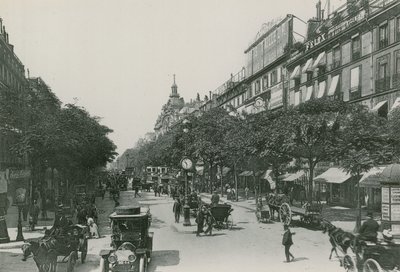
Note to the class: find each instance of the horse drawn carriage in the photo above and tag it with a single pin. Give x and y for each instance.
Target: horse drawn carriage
(374, 257)
(131, 241)
(51, 249)
(219, 216)
(309, 213)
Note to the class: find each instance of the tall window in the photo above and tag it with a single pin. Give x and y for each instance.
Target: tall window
(398, 28)
(336, 57)
(382, 82)
(274, 77)
(257, 87)
(265, 82)
(397, 63)
(383, 36)
(356, 48)
(355, 79)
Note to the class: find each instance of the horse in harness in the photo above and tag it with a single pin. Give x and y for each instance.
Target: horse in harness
(46, 249)
(338, 238)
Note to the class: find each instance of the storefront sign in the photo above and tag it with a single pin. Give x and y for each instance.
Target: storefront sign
(333, 31)
(395, 195)
(385, 195)
(19, 174)
(385, 212)
(395, 213)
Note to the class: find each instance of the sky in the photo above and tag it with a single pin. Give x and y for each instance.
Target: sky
(117, 58)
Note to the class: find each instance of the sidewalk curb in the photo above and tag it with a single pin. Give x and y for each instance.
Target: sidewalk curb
(232, 203)
(12, 245)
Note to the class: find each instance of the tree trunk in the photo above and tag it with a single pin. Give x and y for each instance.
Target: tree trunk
(222, 187)
(310, 181)
(236, 182)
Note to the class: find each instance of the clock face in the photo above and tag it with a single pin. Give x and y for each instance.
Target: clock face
(187, 164)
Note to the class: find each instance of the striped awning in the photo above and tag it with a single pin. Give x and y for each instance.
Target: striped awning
(318, 60)
(307, 65)
(333, 86)
(294, 176)
(295, 72)
(379, 105)
(373, 178)
(333, 175)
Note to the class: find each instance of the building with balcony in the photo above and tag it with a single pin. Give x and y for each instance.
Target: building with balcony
(259, 85)
(352, 55)
(12, 79)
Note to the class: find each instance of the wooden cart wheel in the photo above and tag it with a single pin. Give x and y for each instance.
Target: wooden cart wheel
(84, 250)
(229, 222)
(371, 265)
(143, 264)
(349, 264)
(285, 214)
(71, 261)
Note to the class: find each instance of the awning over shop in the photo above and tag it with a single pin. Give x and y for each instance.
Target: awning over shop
(373, 178)
(294, 176)
(246, 174)
(321, 89)
(395, 104)
(295, 72)
(332, 87)
(307, 65)
(267, 176)
(318, 60)
(379, 105)
(309, 92)
(333, 175)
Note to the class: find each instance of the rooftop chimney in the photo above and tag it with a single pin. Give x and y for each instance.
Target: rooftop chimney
(318, 6)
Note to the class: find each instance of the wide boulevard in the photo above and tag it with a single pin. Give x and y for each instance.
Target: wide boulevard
(248, 246)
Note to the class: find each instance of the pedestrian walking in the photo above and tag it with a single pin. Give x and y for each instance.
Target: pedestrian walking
(215, 199)
(137, 191)
(200, 221)
(34, 211)
(287, 242)
(246, 192)
(93, 228)
(177, 209)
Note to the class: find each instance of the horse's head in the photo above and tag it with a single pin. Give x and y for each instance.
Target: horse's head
(327, 226)
(29, 248)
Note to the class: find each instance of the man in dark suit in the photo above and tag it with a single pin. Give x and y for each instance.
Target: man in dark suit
(369, 229)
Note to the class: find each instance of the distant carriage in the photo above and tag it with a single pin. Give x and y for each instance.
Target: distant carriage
(309, 213)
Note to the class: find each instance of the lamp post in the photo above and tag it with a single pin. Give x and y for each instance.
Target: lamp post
(186, 164)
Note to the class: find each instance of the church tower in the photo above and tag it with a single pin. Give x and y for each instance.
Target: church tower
(174, 89)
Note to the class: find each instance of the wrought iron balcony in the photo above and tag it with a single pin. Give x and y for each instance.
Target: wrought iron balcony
(382, 84)
(355, 93)
(383, 43)
(356, 55)
(335, 64)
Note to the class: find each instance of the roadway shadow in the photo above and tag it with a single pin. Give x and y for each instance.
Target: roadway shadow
(299, 259)
(157, 223)
(235, 228)
(162, 258)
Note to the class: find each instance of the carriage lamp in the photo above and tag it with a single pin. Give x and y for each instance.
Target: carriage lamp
(112, 259)
(132, 258)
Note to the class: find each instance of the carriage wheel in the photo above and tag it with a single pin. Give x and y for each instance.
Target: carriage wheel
(84, 250)
(143, 264)
(349, 264)
(285, 214)
(71, 261)
(48, 267)
(229, 222)
(371, 265)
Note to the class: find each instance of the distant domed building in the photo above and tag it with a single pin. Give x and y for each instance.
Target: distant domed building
(174, 110)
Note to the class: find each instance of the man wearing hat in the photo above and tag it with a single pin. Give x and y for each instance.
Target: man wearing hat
(369, 229)
(61, 222)
(215, 199)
